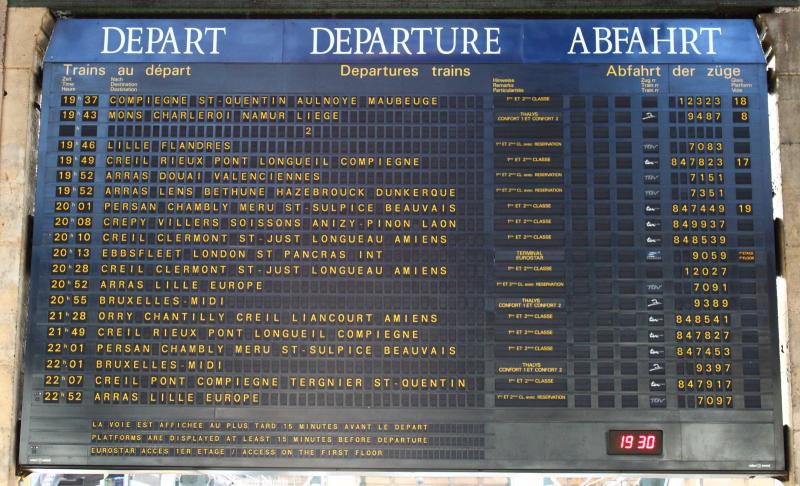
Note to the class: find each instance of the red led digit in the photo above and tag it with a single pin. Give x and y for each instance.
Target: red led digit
(650, 443)
(640, 444)
(626, 441)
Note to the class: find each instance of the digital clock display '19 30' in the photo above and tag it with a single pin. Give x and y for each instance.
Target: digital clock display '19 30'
(635, 442)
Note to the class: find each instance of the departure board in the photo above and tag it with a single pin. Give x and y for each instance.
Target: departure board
(452, 245)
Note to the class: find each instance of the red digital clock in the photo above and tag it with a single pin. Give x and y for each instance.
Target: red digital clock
(635, 442)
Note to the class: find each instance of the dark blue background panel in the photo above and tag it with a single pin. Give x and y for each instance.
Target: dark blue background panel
(384, 41)
(248, 255)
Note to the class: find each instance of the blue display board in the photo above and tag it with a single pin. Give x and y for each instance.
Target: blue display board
(404, 245)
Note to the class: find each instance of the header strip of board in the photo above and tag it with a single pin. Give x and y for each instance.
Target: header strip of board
(406, 41)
